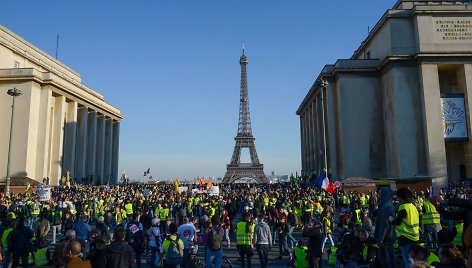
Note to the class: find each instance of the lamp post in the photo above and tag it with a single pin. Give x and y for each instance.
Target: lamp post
(323, 85)
(14, 92)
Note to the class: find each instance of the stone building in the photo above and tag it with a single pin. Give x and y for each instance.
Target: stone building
(59, 124)
(400, 106)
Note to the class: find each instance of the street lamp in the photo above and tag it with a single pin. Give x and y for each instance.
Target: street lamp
(323, 85)
(14, 92)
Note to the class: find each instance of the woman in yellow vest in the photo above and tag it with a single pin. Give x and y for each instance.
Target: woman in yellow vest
(407, 224)
(326, 224)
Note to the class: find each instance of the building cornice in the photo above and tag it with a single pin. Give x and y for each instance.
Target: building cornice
(64, 87)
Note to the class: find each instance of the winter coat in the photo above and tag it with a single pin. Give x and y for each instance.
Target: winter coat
(384, 228)
(119, 255)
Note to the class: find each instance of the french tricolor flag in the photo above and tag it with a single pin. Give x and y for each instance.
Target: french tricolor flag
(323, 182)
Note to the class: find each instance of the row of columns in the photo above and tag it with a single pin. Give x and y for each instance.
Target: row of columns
(311, 136)
(97, 146)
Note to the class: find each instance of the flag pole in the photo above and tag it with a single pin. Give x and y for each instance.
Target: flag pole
(324, 85)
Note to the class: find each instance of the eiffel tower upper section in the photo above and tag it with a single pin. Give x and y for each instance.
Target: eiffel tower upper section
(244, 125)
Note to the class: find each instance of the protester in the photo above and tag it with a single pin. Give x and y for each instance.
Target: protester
(119, 254)
(212, 238)
(73, 252)
(263, 240)
(19, 243)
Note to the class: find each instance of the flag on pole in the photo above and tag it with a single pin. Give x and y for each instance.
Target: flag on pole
(324, 183)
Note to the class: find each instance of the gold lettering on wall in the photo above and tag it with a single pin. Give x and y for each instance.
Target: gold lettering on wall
(453, 29)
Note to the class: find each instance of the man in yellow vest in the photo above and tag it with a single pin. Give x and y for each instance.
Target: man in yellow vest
(407, 224)
(430, 220)
(244, 237)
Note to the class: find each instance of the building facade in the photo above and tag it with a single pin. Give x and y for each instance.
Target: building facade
(59, 124)
(400, 106)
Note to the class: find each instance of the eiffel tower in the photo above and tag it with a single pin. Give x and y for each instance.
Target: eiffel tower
(244, 139)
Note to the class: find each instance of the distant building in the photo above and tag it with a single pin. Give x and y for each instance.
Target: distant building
(384, 107)
(59, 124)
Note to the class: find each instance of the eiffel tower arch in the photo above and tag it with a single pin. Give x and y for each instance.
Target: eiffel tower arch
(244, 139)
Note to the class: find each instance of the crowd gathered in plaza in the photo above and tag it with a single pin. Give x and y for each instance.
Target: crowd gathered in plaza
(157, 225)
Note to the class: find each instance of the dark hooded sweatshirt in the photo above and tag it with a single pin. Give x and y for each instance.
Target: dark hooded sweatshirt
(384, 228)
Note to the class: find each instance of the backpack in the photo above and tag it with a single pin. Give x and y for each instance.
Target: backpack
(136, 238)
(214, 240)
(175, 254)
(292, 219)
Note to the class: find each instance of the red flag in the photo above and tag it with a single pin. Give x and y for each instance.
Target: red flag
(330, 188)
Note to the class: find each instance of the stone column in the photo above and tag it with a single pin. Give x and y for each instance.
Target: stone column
(70, 138)
(44, 132)
(81, 148)
(57, 140)
(115, 152)
(91, 146)
(302, 144)
(99, 166)
(434, 140)
(108, 150)
(465, 81)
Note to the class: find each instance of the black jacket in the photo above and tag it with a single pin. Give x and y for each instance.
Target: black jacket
(314, 240)
(19, 240)
(119, 255)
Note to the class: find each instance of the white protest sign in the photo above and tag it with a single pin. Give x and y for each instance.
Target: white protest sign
(44, 193)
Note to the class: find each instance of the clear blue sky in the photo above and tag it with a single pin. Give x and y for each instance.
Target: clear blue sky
(172, 68)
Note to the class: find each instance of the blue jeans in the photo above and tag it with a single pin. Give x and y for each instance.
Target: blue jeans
(291, 239)
(283, 246)
(431, 234)
(407, 260)
(215, 257)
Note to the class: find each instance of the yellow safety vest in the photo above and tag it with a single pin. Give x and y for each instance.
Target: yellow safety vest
(332, 256)
(5, 238)
(410, 227)
(163, 214)
(300, 257)
(431, 215)
(36, 210)
(129, 209)
(40, 257)
(432, 258)
(328, 225)
(345, 200)
(365, 251)
(242, 237)
(458, 238)
(358, 214)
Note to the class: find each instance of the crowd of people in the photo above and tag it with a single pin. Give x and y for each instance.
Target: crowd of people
(126, 225)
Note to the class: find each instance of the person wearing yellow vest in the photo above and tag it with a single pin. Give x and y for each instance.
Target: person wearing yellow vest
(407, 224)
(244, 237)
(41, 257)
(129, 209)
(457, 232)
(326, 227)
(357, 216)
(430, 220)
(299, 258)
(419, 253)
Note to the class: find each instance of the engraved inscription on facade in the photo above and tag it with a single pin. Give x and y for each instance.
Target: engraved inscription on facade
(453, 29)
